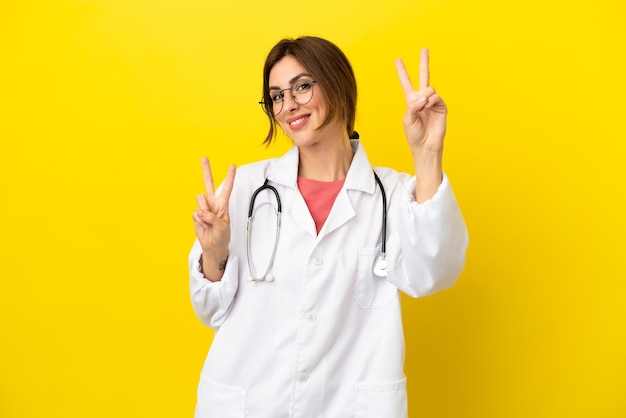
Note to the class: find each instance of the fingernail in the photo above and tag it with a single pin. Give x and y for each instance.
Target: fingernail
(421, 100)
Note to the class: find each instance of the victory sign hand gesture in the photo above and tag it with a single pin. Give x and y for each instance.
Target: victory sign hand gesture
(212, 222)
(425, 118)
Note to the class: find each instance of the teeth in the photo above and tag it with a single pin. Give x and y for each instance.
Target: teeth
(297, 121)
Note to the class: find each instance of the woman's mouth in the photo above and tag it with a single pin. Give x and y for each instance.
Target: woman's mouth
(298, 122)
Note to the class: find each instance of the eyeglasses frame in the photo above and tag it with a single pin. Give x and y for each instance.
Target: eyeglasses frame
(264, 104)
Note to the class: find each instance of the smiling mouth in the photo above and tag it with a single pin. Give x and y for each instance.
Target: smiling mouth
(297, 121)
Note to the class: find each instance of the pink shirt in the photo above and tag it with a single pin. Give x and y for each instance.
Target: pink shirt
(319, 197)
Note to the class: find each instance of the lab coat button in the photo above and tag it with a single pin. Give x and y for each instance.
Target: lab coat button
(310, 317)
(303, 377)
(318, 261)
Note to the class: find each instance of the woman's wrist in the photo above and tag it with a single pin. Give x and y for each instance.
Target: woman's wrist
(213, 264)
(428, 173)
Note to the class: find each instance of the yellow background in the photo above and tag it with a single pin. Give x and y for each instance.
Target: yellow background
(106, 107)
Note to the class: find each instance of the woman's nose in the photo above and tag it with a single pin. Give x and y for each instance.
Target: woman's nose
(289, 102)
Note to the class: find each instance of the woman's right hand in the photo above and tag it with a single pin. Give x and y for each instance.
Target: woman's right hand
(212, 221)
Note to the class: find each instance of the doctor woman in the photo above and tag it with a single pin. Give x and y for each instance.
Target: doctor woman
(299, 260)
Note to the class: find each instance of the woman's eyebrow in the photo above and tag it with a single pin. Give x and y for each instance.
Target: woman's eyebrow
(293, 80)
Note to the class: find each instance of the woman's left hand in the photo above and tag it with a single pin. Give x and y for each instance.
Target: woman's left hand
(425, 118)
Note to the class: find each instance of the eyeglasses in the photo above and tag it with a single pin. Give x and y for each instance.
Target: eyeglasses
(301, 92)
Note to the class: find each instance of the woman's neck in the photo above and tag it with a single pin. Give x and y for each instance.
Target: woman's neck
(328, 162)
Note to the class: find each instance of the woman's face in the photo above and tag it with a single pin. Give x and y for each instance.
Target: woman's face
(300, 121)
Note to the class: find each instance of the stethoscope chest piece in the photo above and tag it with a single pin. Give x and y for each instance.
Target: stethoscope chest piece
(380, 266)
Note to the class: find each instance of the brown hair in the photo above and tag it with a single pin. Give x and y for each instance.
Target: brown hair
(331, 70)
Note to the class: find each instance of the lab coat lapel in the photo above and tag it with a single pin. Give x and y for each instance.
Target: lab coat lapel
(284, 172)
(341, 212)
(360, 178)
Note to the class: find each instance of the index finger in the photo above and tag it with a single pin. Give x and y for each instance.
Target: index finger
(424, 71)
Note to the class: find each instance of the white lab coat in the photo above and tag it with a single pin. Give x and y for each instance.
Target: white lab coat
(325, 338)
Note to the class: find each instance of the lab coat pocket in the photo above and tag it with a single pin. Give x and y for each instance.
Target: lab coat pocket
(217, 400)
(381, 399)
(372, 291)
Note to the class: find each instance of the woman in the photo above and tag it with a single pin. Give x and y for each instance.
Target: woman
(306, 307)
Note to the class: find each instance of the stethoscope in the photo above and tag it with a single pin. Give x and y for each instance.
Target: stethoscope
(380, 264)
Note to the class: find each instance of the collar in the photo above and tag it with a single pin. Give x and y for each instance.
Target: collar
(284, 170)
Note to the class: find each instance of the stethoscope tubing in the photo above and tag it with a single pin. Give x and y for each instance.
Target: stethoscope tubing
(266, 275)
(383, 246)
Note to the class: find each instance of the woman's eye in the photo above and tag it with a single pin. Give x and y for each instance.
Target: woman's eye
(276, 97)
(303, 86)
